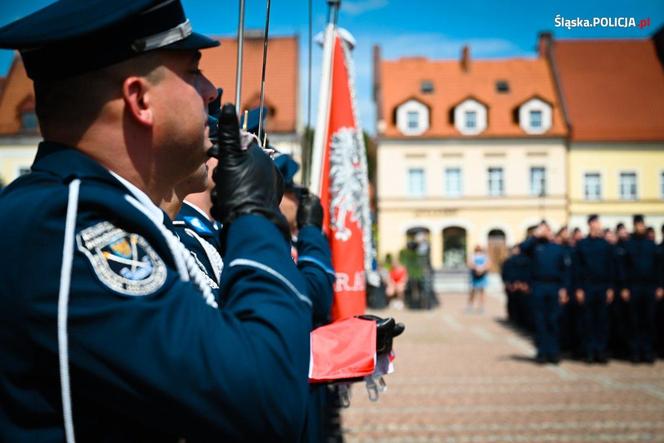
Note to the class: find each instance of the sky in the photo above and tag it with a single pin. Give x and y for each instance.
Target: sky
(437, 29)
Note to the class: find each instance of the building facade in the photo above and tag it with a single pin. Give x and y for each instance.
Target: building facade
(613, 97)
(472, 152)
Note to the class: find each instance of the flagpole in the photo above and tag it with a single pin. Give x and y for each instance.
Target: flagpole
(321, 135)
(262, 99)
(238, 68)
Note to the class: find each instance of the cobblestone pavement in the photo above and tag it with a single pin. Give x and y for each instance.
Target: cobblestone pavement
(469, 378)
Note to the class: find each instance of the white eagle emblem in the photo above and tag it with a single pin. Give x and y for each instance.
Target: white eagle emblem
(346, 182)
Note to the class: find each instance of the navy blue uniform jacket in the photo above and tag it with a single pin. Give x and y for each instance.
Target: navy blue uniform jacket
(641, 264)
(148, 356)
(594, 263)
(550, 262)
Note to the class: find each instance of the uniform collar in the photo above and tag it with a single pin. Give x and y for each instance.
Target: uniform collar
(197, 209)
(69, 163)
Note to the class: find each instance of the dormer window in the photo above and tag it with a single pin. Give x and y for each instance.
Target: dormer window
(426, 87)
(412, 117)
(470, 117)
(535, 116)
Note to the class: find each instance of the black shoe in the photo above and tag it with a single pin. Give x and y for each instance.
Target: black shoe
(588, 359)
(649, 358)
(601, 359)
(540, 359)
(554, 359)
(634, 358)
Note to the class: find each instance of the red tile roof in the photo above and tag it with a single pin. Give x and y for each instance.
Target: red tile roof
(281, 84)
(613, 89)
(400, 80)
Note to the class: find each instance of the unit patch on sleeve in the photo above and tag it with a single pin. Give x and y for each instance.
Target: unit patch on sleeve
(123, 261)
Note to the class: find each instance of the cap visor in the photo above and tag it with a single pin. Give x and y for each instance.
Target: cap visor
(194, 41)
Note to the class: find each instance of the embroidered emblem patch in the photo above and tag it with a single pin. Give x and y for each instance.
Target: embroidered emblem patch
(123, 261)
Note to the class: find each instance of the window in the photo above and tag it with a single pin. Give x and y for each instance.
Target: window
(453, 179)
(502, 86)
(628, 186)
(426, 87)
(592, 186)
(413, 119)
(538, 181)
(416, 182)
(470, 119)
(536, 119)
(535, 116)
(496, 185)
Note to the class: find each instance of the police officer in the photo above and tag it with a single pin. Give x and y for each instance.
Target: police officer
(642, 283)
(594, 267)
(619, 330)
(508, 275)
(550, 278)
(522, 287)
(107, 330)
(193, 226)
(570, 314)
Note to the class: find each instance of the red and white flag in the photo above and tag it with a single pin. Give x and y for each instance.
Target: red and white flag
(339, 176)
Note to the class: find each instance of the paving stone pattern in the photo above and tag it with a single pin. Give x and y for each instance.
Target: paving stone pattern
(470, 378)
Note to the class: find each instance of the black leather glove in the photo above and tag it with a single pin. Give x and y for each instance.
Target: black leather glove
(309, 210)
(386, 330)
(246, 180)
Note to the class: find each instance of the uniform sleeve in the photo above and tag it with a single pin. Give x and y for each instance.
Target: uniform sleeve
(171, 361)
(527, 246)
(315, 264)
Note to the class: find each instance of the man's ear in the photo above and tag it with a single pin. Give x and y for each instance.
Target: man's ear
(136, 94)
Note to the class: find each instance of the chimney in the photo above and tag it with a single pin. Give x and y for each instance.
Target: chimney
(544, 44)
(465, 58)
(377, 92)
(658, 39)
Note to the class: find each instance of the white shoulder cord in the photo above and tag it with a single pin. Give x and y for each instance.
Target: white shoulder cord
(197, 276)
(63, 302)
(213, 255)
(185, 263)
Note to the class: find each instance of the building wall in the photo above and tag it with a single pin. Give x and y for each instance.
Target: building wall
(609, 160)
(14, 155)
(474, 210)
(478, 222)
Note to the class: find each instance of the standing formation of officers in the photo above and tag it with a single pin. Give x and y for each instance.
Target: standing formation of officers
(596, 296)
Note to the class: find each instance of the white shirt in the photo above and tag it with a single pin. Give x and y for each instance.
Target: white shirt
(152, 210)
